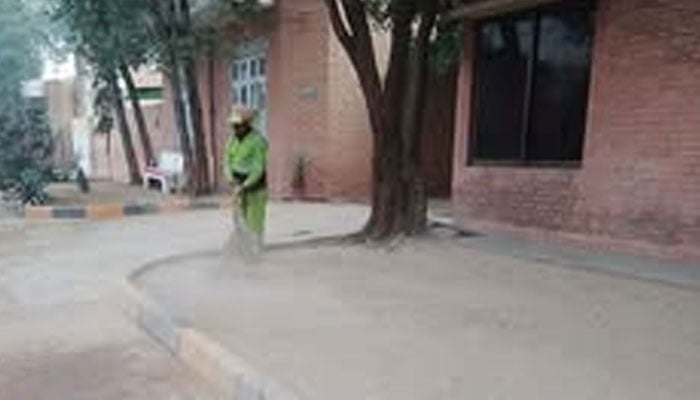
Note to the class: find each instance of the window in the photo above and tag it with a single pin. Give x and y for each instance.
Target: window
(249, 80)
(531, 85)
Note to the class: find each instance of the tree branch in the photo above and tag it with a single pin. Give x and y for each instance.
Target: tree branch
(413, 119)
(360, 51)
(402, 15)
(341, 31)
(366, 58)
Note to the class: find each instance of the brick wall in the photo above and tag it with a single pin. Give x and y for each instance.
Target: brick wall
(350, 150)
(299, 95)
(639, 179)
(315, 109)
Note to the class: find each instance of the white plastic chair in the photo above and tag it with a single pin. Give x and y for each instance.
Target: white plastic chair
(169, 172)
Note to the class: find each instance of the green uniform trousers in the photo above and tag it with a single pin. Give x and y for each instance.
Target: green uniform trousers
(253, 208)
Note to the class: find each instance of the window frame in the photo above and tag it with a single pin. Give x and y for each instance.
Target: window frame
(472, 137)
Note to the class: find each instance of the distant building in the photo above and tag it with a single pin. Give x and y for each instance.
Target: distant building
(107, 152)
(66, 88)
(33, 89)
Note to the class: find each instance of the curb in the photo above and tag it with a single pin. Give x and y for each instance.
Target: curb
(113, 211)
(229, 374)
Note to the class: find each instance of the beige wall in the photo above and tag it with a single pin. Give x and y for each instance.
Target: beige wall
(108, 153)
(60, 97)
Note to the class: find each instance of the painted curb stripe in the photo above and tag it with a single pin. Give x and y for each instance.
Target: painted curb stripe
(226, 371)
(140, 209)
(109, 211)
(104, 211)
(38, 212)
(69, 212)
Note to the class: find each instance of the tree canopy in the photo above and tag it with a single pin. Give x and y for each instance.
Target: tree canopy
(25, 138)
(20, 52)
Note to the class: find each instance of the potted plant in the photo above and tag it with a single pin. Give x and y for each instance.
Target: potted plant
(299, 178)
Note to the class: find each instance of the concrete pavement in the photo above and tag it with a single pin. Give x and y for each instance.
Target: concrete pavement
(63, 334)
(434, 320)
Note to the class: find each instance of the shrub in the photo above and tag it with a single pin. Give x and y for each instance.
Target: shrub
(25, 159)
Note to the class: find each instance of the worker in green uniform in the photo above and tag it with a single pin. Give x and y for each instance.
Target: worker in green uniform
(246, 161)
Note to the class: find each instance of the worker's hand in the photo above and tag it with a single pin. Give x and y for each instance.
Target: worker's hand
(236, 199)
(237, 190)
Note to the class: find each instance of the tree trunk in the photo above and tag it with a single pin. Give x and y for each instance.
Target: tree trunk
(399, 202)
(416, 211)
(212, 119)
(387, 207)
(180, 111)
(129, 153)
(146, 145)
(200, 145)
(190, 80)
(170, 27)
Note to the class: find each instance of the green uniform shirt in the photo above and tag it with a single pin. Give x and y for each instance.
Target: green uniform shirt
(246, 156)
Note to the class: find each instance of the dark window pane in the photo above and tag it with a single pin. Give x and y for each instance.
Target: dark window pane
(560, 91)
(504, 54)
(263, 66)
(244, 70)
(235, 71)
(244, 95)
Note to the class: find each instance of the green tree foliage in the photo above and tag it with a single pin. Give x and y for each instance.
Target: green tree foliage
(113, 37)
(25, 159)
(19, 55)
(106, 33)
(25, 138)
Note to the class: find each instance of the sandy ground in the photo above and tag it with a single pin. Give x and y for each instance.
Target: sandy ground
(439, 320)
(63, 334)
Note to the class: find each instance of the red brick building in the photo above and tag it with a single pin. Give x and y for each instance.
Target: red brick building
(289, 64)
(582, 118)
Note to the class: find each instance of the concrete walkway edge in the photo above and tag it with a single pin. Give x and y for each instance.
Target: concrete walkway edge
(228, 373)
(235, 378)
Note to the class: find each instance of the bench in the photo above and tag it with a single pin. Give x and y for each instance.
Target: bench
(169, 172)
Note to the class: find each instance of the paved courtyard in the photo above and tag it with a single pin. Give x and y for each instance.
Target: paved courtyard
(63, 333)
(443, 318)
(447, 318)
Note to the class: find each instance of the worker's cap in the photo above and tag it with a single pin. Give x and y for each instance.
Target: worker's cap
(241, 115)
